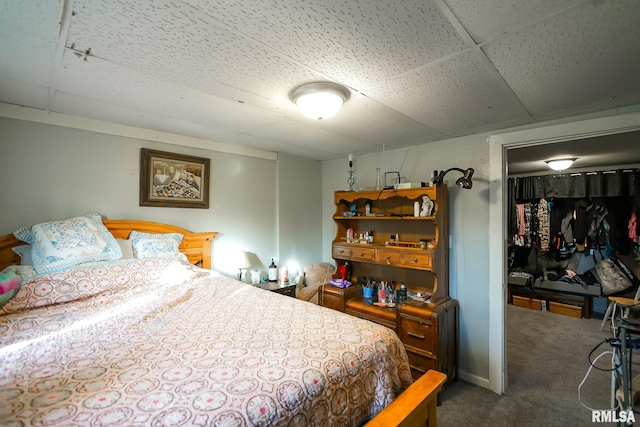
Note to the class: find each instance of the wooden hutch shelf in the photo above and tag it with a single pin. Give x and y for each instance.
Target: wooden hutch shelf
(405, 249)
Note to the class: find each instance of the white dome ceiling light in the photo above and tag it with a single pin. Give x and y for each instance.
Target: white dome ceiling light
(560, 164)
(319, 100)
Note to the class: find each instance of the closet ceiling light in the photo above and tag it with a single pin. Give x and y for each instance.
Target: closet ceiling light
(560, 164)
(319, 100)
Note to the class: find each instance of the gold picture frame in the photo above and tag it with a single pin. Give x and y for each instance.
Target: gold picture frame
(173, 180)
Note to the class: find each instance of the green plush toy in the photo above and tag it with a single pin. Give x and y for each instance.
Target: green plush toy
(9, 281)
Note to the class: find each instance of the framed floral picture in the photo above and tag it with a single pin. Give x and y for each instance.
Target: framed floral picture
(173, 180)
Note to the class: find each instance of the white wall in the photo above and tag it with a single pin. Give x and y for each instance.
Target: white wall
(52, 172)
(469, 213)
(300, 210)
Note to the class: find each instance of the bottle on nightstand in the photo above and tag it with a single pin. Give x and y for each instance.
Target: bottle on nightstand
(283, 275)
(273, 271)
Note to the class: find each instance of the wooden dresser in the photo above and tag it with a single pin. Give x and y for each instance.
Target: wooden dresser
(428, 330)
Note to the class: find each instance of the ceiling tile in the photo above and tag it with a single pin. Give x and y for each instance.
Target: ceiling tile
(252, 141)
(113, 84)
(23, 94)
(453, 95)
(29, 36)
(488, 20)
(82, 106)
(183, 45)
(357, 43)
(290, 132)
(586, 56)
(375, 123)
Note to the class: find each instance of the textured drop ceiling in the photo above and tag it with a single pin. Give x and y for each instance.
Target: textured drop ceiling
(418, 70)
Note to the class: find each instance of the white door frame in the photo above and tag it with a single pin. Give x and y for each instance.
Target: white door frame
(498, 146)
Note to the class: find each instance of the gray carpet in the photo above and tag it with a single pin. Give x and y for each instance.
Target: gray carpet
(547, 358)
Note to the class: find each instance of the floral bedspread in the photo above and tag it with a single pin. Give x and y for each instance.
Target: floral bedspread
(156, 342)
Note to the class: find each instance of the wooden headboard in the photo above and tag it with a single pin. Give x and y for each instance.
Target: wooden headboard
(196, 246)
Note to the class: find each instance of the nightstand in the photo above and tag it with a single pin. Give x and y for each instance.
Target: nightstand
(288, 288)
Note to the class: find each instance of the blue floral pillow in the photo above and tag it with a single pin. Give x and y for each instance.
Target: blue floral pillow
(147, 245)
(58, 245)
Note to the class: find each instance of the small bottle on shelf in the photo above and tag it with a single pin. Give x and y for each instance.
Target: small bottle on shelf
(375, 289)
(382, 292)
(402, 293)
(347, 270)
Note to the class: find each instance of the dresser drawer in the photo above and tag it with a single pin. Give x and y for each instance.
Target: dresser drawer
(419, 333)
(420, 364)
(362, 254)
(388, 257)
(362, 308)
(341, 251)
(289, 291)
(335, 298)
(417, 259)
(332, 301)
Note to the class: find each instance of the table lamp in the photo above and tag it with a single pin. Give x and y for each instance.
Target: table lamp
(242, 262)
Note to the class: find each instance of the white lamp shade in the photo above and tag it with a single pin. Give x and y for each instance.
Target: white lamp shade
(319, 105)
(319, 100)
(560, 164)
(242, 261)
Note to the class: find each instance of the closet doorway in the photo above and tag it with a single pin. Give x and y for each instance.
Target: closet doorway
(499, 145)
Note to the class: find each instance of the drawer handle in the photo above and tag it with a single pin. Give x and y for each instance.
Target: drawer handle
(415, 260)
(417, 368)
(414, 335)
(388, 259)
(361, 255)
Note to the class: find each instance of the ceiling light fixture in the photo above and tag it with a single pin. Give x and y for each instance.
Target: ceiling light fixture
(560, 164)
(320, 100)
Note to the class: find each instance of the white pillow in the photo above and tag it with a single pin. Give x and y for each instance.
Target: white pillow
(58, 245)
(126, 248)
(147, 245)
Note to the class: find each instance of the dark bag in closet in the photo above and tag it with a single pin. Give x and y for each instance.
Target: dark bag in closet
(613, 276)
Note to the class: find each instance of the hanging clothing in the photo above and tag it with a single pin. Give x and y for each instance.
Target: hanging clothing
(581, 223)
(566, 227)
(527, 225)
(543, 224)
(520, 221)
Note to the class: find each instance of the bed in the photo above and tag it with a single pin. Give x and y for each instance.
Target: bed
(160, 341)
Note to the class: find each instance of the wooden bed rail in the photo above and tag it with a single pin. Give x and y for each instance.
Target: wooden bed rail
(416, 406)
